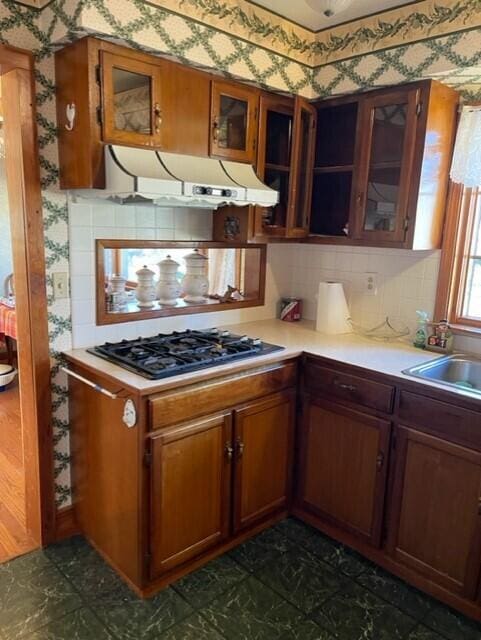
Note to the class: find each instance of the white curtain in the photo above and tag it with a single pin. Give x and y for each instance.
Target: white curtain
(222, 270)
(466, 166)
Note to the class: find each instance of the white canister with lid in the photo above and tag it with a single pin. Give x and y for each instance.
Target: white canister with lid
(117, 289)
(145, 290)
(195, 284)
(168, 287)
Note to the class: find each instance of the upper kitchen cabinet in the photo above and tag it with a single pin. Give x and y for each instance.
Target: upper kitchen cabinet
(284, 162)
(233, 121)
(285, 158)
(381, 168)
(110, 94)
(131, 98)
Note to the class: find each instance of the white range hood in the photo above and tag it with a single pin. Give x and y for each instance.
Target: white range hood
(167, 179)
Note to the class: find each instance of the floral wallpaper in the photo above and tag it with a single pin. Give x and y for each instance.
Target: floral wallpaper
(265, 49)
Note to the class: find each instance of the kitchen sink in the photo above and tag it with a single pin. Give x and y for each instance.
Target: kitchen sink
(460, 371)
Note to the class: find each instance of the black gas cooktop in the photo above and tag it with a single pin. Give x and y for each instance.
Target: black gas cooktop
(170, 354)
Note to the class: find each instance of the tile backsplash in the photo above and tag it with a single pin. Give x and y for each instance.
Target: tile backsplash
(88, 222)
(404, 281)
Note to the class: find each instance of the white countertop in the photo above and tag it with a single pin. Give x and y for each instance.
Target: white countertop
(296, 338)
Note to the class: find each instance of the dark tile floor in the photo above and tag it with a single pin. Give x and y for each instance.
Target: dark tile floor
(288, 583)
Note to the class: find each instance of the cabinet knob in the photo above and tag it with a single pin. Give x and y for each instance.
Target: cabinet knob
(359, 198)
(239, 448)
(380, 461)
(157, 117)
(229, 451)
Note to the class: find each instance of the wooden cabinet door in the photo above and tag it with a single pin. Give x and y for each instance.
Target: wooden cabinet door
(185, 110)
(274, 161)
(435, 525)
(264, 442)
(191, 478)
(385, 159)
(233, 121)
(131, 100)
(342, 467)
(300, 191)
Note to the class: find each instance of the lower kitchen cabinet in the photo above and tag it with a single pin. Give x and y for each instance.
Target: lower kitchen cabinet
(264, 445)
(342, 467)
(435, 525)
(190, 490)
(216, 476)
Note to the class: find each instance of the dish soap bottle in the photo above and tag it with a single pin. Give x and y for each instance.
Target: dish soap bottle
(422, 330)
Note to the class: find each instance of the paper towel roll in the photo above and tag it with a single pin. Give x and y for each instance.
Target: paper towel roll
(332, 309)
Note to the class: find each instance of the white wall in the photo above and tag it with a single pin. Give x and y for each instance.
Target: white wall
(88, 222)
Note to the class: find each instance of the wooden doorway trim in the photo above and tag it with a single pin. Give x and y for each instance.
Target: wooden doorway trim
(25, 205)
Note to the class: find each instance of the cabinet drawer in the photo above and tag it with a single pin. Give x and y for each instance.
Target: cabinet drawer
(191, 402)
(344, 386)
(458, 424)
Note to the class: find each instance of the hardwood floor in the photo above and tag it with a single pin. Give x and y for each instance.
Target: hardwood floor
(14, 540)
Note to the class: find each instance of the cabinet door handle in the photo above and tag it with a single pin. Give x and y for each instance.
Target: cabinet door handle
(239, 448)
(359, 198)
(380, 461)
(346, 387)
(229, 451)
(157, 117)
(215, 131)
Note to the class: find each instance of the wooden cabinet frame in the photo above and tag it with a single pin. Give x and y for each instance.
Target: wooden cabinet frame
(468, 586)
(110, 61)
(368, 105)
(384, 427)
(237, 91)
(159, 443)
(287, 398)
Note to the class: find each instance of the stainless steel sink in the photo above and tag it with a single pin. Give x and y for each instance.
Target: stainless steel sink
(459, 371)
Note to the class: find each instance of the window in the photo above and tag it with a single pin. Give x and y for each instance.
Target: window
(459, 285)
(459, 288)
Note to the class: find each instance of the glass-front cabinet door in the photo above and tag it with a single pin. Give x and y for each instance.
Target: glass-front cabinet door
(285, 162)
(304, 143)
(385, 168)
(274, 158)
(131, 101)
(233, 122)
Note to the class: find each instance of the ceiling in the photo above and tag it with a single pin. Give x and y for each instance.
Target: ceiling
(299, 11)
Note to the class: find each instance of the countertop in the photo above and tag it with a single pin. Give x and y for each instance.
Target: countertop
(296, 338)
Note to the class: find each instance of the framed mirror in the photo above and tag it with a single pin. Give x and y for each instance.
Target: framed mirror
(141, 279)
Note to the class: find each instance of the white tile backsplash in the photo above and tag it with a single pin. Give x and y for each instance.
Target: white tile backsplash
(88, 222)
(406, 280)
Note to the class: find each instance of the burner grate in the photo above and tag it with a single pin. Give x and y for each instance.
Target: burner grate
(180, 352)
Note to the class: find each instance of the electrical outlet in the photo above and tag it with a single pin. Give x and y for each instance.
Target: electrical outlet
(60, 285)
(370, 281)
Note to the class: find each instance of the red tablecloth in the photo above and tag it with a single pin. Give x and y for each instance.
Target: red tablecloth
(8, 321)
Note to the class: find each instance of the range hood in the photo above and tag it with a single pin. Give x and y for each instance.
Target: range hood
(167, 179)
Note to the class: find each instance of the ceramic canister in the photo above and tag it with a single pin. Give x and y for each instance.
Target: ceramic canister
(145, 290)
(117, 287)
(168, 287)
(195, 285)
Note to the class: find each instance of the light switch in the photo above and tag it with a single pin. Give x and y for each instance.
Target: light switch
(60, 285)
